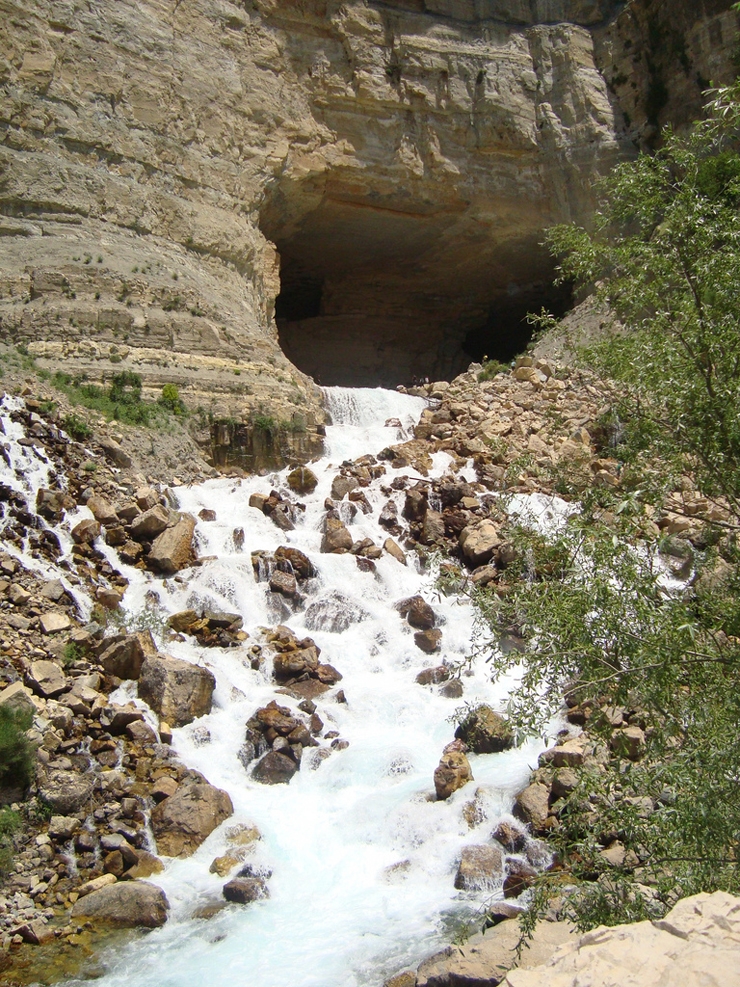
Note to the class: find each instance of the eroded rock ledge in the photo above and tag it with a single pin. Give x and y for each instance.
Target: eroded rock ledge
(163, 167)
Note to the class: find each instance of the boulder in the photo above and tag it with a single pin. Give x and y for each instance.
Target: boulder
(566, 755)
(176, 690)
(102, 509)
(336, 537)
(124, 658)
(394, 550)
(47, 679)
(302, 480)
(183, 621)
(244, 890)
(532, 805)
(51, 504)
(52, 623)
(428, 641)
(150, 524)
(291, 664)
(63, 828)
(485, 732)
(452, 772)
(173, 549)
(17, 697)
(483, 959)
(628, 742)
(66, 792)
(302, 566)
(520, 876)
(274, 769)
(128, 905)
(479, 541)
(342, 485)
(417, 611)
(432, 528)
(115, 453)
(146, 498)
(86, 531)
(481, 868)
(433, 676)
(696, 943)
(187, 818)
(283, 582)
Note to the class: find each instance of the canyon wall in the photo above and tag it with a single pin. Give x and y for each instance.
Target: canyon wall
(176, 173)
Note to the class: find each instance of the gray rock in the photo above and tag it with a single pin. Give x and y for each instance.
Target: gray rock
(115, 453)
(47, 679)
(128, 905)
(66, 792)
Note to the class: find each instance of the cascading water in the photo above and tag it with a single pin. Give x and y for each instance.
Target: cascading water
(362, 859)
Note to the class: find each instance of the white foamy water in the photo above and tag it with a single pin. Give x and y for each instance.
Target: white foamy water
(362, 859)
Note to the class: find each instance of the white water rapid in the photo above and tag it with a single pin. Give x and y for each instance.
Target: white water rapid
(362, 859)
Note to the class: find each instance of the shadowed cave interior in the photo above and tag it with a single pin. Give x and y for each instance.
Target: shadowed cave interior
(380, 291)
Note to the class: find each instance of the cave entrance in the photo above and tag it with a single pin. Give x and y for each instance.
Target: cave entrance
(380, 290)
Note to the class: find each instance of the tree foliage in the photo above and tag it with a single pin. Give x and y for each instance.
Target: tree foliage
(664, 254)
(600, 617)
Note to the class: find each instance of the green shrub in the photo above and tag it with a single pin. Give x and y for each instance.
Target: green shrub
(491, 369)
(76, 427)
(10, 822)
(170, 399)
(16, 750)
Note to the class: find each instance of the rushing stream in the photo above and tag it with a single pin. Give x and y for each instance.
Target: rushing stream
(362, 859)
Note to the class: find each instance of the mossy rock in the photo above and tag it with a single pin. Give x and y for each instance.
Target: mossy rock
(485, 732)
(302, 480)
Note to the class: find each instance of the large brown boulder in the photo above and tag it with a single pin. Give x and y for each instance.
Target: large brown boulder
(173, 549)
(183, 821)
(126, 905)
(485, 732)
(125, 657)
(336, 537)
(418, 612)
(176, 690)
(150, 524)
(452, 772)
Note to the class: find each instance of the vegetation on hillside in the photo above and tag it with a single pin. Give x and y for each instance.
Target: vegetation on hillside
(601, 618)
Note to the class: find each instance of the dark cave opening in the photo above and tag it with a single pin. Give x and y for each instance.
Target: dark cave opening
(378, 291)
(507, 332)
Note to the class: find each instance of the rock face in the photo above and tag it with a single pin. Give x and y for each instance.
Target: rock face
(127, 905)
(178, 691)
(699, 938)
(412, 152)
(182, 821)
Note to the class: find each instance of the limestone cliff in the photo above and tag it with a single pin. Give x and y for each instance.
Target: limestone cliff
(171, 168)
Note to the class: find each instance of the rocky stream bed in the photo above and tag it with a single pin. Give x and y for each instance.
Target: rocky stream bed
(253, 709)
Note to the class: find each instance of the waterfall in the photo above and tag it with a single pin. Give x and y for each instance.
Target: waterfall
(362, 859)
